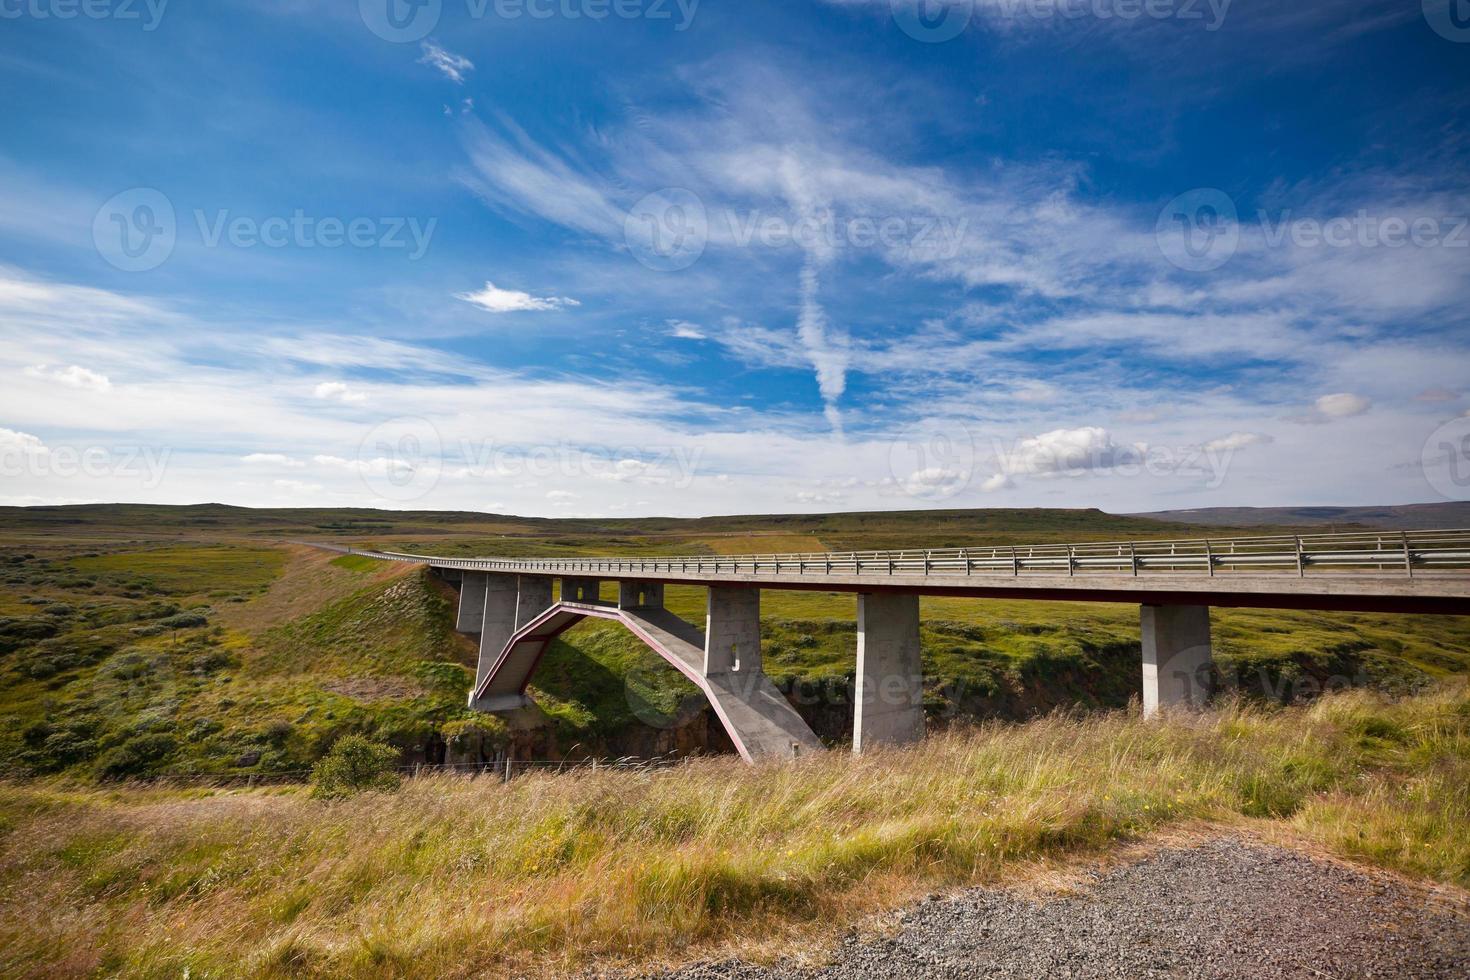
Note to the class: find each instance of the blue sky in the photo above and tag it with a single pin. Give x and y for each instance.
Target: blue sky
(622, 257)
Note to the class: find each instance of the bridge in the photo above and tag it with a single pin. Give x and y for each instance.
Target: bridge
(509, 604)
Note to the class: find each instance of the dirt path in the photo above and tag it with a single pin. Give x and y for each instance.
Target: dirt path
(1225, 908)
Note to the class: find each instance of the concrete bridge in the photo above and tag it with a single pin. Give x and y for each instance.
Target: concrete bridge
(510, 604)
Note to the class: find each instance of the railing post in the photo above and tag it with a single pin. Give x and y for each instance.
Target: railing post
(1301, 564)
(1133, 558)
(1408, 556)
(1015, 563)
(1209, 558)
(965, 554)
(1071, 562)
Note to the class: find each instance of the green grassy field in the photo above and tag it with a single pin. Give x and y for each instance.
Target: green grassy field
(138, 641)
(452, 877)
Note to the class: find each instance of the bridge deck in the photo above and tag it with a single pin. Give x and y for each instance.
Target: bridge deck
(1416, 571)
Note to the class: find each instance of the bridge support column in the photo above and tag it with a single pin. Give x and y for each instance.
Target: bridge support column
(497, 624)
(1177, 657)
(580, 589)
(471, 602)
(640, 595)
(533, 597)
(732, 634)
(890, 679)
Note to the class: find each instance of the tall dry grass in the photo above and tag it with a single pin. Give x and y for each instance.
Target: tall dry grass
(452, 877)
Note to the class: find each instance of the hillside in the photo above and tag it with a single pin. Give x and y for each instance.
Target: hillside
(1406, 517)
(143, 640)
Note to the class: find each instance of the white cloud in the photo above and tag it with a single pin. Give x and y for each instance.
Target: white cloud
(1343, 405)
(1236, 440)
(71, 376)
(23, 443)
(997, 481)
(338, 391)
(561, 498)
(297, 486)
(452, 66)
(1063, 451)
(685, 330)
(493, 299)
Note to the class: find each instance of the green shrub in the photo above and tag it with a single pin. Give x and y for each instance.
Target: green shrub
(353, 765)
(184, 621)
(138, 756)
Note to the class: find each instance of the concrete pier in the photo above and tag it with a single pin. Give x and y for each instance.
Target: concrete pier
(498, 622)
(1177, 657)
(533, 599)
(471, 602)
(732, 633)
(890, 679)
(580, 589)
(633, 594)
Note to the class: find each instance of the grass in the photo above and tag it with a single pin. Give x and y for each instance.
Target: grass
(187, 570)
(452, 877)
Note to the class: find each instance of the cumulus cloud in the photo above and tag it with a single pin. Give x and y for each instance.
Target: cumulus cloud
(997, 481)
(1330, 408)
(338, 391)
(22, 443)
(1236, 440)
(452, 66)
(560, 496)
(70, 376)
(1067, 451)
(493, 299)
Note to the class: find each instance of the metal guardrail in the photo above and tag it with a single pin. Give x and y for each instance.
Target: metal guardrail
(1405, 553)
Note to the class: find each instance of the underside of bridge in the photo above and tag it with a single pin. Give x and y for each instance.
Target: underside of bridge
(520, 620)
(517, 619)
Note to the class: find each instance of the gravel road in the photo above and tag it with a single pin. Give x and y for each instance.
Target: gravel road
(1226, 908)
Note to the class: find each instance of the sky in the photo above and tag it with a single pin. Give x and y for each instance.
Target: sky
(689, 257)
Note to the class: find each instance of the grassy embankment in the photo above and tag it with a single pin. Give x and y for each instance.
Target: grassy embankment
(451, 877)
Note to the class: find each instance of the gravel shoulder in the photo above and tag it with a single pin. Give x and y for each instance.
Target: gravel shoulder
(1228, 907)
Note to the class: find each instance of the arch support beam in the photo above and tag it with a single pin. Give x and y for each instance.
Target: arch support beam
(890, 678)
(1177, 658)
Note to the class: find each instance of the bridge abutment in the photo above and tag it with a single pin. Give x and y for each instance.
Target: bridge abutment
(732, 633)
(1177, 657)
(890, 678)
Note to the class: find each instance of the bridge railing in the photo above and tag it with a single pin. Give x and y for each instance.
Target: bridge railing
(1385, 552)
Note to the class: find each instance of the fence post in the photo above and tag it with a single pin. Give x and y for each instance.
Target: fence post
(1408, 556)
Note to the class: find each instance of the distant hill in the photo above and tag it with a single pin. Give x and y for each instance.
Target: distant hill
(1405, 517)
